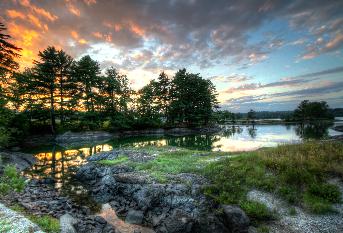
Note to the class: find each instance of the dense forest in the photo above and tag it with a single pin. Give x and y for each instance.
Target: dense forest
(59, 93)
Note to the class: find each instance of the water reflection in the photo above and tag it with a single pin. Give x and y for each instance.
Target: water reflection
(59, 162)
(316, 130)
(111, 217)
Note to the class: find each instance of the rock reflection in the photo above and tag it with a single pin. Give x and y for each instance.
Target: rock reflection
(111, 217)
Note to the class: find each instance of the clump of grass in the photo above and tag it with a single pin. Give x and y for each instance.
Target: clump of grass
(297, 173)
(118, 160)
(11, 180)
(5, 225)
(46, 223)
(171, 163)
(257, 211)
(292, 211)
(175, 162)
(262, 229)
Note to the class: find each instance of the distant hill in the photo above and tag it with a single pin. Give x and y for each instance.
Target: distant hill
(337, 112)
(268, 115)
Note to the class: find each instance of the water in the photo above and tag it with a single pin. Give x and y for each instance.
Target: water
(58, 162)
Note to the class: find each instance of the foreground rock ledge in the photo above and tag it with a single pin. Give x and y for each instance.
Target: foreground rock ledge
(178, 206)
(12, 222)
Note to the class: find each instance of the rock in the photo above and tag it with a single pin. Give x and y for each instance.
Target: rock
(67, 223)
(89, 136)
(252, 230)
(179, 222)
(20, 160)
(178, 206)
(180, 131)
(235, 219)
(134, 217)
(108, 155)
(100, 220)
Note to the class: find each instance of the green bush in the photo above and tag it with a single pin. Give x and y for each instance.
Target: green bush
(316, 204)
(256, 211)
(328, 192)
(11, 180)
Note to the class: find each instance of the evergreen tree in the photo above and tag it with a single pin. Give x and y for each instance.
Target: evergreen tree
(8, 54)
(192, 99)
(86, 72)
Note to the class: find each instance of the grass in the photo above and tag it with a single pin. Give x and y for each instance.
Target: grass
(5, 225)
(47, 223)
(297, 173)
(182, 161)
(119, 160)
(11, 180)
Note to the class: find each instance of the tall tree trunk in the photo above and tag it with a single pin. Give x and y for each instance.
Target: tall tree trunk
(52, 111)
(61, 99)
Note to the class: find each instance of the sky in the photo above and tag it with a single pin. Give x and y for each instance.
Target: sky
(262, 55)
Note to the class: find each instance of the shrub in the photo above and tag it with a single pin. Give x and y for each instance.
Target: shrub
(11, 180)
(256, 211)
(328, 192)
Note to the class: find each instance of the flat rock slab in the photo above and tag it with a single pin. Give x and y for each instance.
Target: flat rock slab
(20, 160)
(12, 222)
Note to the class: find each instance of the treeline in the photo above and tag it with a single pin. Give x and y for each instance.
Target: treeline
(306, 111)
(60, 93)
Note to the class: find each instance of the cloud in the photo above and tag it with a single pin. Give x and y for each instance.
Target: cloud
(288, 99)
(234, 78)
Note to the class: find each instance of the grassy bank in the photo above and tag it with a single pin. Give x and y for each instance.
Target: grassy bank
(46, 223)
(298, 174)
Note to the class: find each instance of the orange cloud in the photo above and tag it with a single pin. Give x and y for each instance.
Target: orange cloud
(74, 34)
(72, 8)
(35, 21)
(83, 41)
(136, 29)
(28, 40)
(15, 14)
(90, 2)
(40, 11)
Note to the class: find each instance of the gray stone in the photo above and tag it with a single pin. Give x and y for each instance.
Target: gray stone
(89, 136)
(235, 218)
(179, 222)
(20, 160)
(67, 223)
(134, 217)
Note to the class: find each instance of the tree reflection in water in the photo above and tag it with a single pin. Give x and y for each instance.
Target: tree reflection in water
(252, 131)
(313, 130)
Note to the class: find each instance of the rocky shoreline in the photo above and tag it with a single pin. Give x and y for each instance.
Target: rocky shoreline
(176, 206)
(40, 198)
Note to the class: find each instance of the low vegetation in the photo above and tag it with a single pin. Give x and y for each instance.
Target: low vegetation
(117, 161)
(297, 173)
(46, 223)
(11, 181)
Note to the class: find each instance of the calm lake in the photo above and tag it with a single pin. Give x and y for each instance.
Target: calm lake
(57, 161)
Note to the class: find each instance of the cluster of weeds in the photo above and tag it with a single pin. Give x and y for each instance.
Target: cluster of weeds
(46, 223)
(11, 180)
(119, 160)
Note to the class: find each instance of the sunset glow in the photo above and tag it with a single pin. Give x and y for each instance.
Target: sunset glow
(259, 54)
